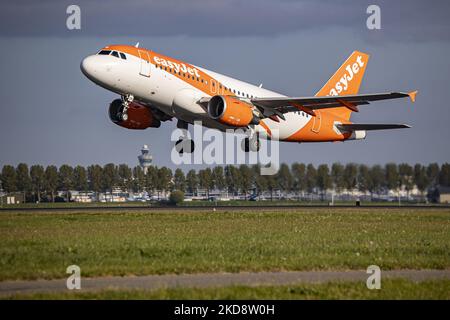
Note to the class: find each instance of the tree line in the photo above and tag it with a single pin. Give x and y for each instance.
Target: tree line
(38, 182)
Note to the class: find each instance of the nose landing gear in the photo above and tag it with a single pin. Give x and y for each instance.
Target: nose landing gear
(126, 100)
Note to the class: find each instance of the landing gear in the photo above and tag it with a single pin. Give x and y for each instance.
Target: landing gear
(251, 143)
(184, 145)
(126, 100)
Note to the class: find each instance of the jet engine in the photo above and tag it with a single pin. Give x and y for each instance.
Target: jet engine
(231, 111)
(139, 116)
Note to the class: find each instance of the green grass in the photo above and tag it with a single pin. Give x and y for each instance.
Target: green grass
(42, 245)
(390, 289)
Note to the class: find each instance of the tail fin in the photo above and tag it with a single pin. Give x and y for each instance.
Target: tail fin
(346, 81)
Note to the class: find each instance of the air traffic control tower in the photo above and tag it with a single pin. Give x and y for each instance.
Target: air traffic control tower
(145, 158)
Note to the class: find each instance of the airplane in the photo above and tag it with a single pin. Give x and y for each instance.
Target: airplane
(155, 88)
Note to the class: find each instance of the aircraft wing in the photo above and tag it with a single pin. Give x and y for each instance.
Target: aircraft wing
(371, 126)
(280, 105)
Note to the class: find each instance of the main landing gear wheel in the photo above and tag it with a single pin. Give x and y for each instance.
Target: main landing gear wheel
(251, 144)
(185, 146)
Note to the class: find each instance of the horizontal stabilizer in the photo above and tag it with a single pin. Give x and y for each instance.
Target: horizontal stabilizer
(367, 126)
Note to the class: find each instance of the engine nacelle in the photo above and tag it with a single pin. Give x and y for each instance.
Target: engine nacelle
(231, 111)
(139, 116)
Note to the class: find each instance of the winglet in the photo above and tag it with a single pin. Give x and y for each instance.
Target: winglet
(412, 95)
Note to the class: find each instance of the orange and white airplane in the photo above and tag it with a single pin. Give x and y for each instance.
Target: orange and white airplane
(155, 88)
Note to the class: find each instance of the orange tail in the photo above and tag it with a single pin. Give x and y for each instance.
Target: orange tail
(346, 81)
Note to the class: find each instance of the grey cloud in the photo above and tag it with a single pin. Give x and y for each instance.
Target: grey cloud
(401, 19)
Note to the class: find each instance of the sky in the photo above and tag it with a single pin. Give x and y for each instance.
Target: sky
(52, 114)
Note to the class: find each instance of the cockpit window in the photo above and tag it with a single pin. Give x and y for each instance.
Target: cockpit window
(123, 56)
(105, 52)
(115, 54)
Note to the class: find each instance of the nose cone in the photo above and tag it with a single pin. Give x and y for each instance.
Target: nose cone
(102, 70)
(88, 67)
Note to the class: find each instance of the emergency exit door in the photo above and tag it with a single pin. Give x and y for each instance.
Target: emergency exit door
(145, 63)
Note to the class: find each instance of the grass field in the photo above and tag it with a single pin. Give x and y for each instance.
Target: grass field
(391, 289)
(42, 245)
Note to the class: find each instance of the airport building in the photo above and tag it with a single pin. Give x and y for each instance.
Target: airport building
(145, 158)
(444, 195)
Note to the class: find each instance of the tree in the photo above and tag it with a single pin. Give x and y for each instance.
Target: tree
(192, 181)
(205, 180)
(179, 180)
(65, 179)
(284, 178)
(23, 179)
(151, 179)
(311, 178)
(232, 178)
(80, 181)
(271, 183)
(246, 175)
(51, 180)
(260, 181)
(125, 177)
(37, 175)
(406, 178)
(299, 177)
(176, 197)
(323, 179)
(110, 177)
(376, 179)
(350, 176)
(218, 178)
(421, 179)
(138, 179)
(95, 177)
(364, 179)
(392, 177)
(433, 174)
(164, 180)
(337, 177)
(9, 179)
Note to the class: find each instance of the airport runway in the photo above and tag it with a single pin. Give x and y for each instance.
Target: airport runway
(205, 280)
(221, 207)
